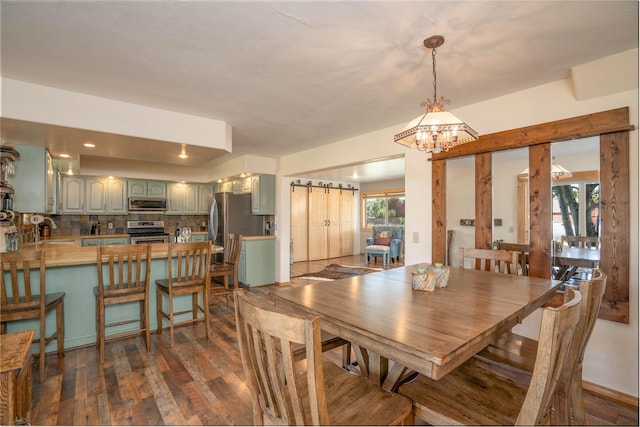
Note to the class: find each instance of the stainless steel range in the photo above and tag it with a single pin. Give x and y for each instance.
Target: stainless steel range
(147, 232)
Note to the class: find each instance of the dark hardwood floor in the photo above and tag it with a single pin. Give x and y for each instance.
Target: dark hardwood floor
(199, 381)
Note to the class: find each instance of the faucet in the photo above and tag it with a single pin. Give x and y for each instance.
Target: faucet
(53, 223)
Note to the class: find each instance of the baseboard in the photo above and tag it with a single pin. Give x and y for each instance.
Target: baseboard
(611, 394)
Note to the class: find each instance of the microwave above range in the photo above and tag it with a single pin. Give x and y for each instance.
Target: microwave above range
(147, 204)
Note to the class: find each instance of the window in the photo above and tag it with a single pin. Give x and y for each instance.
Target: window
(576, 205)
(382, 208)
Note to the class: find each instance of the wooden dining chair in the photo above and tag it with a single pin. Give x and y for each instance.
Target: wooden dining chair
(581, 241)
(523, 255)
(19, 303)
(513, 355)
(127, 277)
(473, 395)
(491, 260)
(229, 268)
(287, 394)
(189, 277)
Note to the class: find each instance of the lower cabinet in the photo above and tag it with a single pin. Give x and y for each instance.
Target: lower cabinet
(201, 237)
(257, 261)
(105, 241)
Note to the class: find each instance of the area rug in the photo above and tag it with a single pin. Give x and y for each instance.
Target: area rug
(336, 271)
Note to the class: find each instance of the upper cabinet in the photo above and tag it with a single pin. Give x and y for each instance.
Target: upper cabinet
(145, 188)
(263, 195)
(182, 198)
(33, 182)
(94, 195)
(205, 196)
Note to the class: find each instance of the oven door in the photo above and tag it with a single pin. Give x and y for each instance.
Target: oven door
(138, 240)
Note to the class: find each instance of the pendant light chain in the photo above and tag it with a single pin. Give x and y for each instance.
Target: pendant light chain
(433, 59)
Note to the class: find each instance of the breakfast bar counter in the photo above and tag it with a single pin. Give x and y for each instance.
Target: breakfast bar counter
(71, 268)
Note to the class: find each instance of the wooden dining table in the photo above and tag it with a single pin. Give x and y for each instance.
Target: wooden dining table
(402, 329)
(570, 258)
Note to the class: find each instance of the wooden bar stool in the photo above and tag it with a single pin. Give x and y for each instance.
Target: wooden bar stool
(18, 302)
(126, 281)
(228, 268)
(191, 277)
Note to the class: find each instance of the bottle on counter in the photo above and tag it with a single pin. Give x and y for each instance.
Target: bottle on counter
(177, 233)
(7, 203)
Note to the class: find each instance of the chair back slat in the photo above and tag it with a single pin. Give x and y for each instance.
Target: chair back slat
(581, 241)
(557, 330)
(523, 254)
(267, 340)
(500, 261)
(192, 259)
(17, 268)
(128, 268)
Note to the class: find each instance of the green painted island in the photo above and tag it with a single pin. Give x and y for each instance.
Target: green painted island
(71, 268)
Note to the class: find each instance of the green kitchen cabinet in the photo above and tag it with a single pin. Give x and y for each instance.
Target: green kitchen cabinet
(105, 241)
(257, 264)
(147, 189)
(263, 195)
(34, 181)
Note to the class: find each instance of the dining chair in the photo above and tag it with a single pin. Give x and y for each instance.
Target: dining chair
(311, 393)
(473, 395)
(513, 355)
(126, 281)
(523, 254)
(228, 268)
(500, 261)
(19, 303)
(581, 241)
(189, 277)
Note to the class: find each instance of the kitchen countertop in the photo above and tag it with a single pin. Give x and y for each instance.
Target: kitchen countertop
(258, 237)
(68, 251)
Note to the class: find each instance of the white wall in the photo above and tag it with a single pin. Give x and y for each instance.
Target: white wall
(612, 356)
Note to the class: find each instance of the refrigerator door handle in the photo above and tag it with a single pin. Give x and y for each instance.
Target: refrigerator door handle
(213, 220)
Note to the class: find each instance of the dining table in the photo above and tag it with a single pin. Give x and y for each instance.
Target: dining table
(570, 258)
(402, 330)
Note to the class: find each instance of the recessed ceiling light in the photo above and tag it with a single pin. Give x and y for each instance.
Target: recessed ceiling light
(89, 145)
(65, 156)
(219, 180)
(183, 152)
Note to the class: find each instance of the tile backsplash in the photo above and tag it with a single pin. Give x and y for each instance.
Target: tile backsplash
(81, 224)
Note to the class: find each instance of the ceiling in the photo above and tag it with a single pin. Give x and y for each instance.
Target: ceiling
(289, 76)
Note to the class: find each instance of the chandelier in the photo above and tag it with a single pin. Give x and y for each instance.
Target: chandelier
(436, 130)
(557, 171)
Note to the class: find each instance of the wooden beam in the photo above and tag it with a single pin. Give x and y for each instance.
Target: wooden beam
(439, 211)
(559, 130)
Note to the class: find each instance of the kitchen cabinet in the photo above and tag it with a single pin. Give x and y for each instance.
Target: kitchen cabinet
(263, 195)
(73, 194)
(199, 237)
(94, 195)
(257, 264)
(33, 182)
(205, 196)
(182, 198)
(105, 241)
(225, 187)
(146, 188)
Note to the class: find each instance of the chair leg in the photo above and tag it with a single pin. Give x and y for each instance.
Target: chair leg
(576, 402)
(205, 301)
(42, 339)
(60, 327)
(144, 322)
(171, 320)
(101, 332)
(159, 310)
(346, 356)
(226, 288)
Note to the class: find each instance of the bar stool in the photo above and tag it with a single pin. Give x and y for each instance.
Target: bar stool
(18, 303)
(126, 281)
(191, 277)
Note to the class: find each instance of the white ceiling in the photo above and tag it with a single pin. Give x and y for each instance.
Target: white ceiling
(297, 74)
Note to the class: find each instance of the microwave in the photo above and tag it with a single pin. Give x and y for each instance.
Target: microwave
(153, 205)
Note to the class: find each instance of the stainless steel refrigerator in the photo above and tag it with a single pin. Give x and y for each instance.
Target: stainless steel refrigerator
(231, 214)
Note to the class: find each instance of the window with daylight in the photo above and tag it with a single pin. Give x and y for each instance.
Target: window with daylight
(382, 208)
(576, 205)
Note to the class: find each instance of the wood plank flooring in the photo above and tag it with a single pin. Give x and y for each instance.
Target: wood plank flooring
(199, 381)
